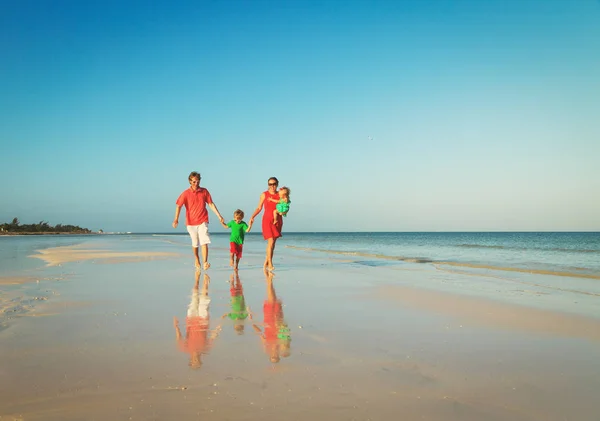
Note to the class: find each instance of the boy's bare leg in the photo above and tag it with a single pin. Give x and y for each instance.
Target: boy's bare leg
(231, 260)
(205, 263)
(196, 258)
(237, 263)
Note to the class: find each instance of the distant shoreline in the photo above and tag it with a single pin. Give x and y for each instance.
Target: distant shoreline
(12, 234)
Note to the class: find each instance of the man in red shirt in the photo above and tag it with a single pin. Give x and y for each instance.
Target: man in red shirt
(195, 200)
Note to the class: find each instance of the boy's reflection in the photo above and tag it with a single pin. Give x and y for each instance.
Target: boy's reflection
(198, 337)
(239, 311)
(275, 334)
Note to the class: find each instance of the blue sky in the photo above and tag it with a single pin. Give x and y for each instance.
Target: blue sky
(380, 115)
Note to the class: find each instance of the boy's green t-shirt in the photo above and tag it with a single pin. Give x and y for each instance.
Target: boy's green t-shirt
(237, 231)
(238, 308)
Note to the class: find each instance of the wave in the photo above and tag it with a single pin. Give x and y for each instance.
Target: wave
(447, 263)
(521, 270)
(361, 254)
(564, 250)
(480, 246)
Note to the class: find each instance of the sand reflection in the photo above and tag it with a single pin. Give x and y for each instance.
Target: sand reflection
(199, 337)
(275, 334)
(239, 311)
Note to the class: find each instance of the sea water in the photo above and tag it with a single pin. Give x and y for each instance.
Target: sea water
(561, 252)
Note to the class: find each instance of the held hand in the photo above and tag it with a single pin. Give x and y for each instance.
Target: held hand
(175, 223)
(175, 322)
(251, 221)
(221, 219)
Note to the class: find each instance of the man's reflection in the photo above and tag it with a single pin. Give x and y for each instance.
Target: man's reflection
(198, 336)
(239, 311)
(275, 334)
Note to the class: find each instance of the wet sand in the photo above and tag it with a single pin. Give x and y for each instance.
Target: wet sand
(489, 313)
(58, 255)
(353, 342)
(16, 280)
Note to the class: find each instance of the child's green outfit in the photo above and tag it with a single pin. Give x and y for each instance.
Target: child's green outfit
(283, 207)
(236, 239)
(237, 231)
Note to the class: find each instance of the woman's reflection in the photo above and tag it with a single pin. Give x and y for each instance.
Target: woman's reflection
(275, 334)
(198, 336)
(239, 311)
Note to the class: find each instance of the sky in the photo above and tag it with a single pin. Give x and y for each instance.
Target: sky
(423, 115)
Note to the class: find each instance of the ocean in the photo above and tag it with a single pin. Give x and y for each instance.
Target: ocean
(570, 252)
(550, 270)
(574, 254)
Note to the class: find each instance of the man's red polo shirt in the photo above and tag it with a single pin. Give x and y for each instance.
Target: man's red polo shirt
(195, 205)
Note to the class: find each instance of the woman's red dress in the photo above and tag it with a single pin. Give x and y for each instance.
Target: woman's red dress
(269, 229)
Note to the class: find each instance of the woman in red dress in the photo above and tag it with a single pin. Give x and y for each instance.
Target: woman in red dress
(271, 232)
(275, 333)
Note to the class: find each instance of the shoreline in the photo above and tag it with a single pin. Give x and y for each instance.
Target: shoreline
(16, 234)
(585, 273)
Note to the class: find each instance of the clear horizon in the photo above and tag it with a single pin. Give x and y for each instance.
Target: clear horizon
(382, 116)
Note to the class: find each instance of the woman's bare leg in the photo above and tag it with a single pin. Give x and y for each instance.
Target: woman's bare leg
(270, 250)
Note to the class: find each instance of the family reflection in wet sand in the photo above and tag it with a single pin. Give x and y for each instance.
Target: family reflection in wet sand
(199, 337)
(273, 332)
(239, 311)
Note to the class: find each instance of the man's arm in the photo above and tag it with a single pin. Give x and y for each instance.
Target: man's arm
(176, 219)
(216, 211)
(177, 331)
(213, 335)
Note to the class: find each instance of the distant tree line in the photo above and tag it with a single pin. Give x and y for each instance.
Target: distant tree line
(43, 226)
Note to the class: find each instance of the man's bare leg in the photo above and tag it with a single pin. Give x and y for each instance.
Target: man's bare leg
(196, 258)
(205, 263)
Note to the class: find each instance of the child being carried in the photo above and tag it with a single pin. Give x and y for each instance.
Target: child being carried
(283, 206)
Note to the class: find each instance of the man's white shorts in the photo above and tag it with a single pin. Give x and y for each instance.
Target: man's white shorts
(199, 234)
(198, 305)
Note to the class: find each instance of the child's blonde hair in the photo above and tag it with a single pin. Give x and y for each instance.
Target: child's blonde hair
(287, 191)
(239, 213)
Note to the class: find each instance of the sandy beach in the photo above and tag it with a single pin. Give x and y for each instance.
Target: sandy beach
(58, 255)
(353, 341)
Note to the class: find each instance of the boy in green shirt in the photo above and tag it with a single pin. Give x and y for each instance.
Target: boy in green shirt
(239, 311)
(236, 240)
